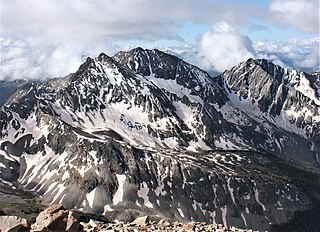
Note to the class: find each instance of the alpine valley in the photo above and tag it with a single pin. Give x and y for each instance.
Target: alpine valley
(145, 133)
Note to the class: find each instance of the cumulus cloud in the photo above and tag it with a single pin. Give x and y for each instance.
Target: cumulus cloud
(144, 19)
(300, 54)
(37, 59)
(42, 39)
(82, 19)
(303, 15)
(223, 47)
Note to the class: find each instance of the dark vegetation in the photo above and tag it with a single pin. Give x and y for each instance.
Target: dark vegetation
(308, 179)
(17, 202)
(308, 220)
(28, 209)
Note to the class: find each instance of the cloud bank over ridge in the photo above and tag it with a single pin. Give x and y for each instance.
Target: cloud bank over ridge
(217, 50)
(225, 46)
(46, 39)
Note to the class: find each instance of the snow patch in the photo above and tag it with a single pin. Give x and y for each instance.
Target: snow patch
(90, 197)
(256, 195)
(244, 219)
(143, 193)
(180, 212)
(107, 209)
(60, 188)
(224, 215)
(118, 196)
(231, 191)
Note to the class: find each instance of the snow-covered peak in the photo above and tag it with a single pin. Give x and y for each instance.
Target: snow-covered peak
(144, 128)
(253, 71)
(154, 100)
(161, 68)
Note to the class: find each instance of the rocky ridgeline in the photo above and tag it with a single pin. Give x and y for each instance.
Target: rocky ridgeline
(57, 219)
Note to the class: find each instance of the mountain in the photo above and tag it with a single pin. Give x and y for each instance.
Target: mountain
(145, 132)
(285, 99)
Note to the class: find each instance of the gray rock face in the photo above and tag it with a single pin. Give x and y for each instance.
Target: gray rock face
(147, 133)
(285, 98)
(157, 64)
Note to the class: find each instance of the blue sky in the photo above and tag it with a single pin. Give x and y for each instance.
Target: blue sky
(43, 39)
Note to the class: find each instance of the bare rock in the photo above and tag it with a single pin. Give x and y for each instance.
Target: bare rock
(57, 221)
(13, 224)
(189, 227)
(72, 223)
(56, 218)
(53, 209)
(141, 221)
(164, 222)
(94, 226)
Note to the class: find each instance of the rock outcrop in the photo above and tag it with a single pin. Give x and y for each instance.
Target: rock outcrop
(57, 218)
(13, 224)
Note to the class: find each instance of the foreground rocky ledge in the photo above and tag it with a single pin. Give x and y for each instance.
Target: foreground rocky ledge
(57, 219)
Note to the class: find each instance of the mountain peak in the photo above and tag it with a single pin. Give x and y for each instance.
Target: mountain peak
(264, 64)
(144, 130)
(138, 49)
(103, 56)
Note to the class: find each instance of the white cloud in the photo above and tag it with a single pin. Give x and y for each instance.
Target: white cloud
(37, 59)
(51, 37)
(217, 50)
(82, 19)
(302, 14)
(86, 19)
(300, 54)
(44, 39)
(223, 47)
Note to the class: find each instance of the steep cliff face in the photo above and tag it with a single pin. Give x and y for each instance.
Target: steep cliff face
(277, 91)
(107, 176)
(285, 98)
(147, 132)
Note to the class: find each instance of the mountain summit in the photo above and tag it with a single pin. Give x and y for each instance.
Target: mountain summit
(147, 132)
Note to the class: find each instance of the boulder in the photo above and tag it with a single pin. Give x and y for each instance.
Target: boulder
(189, 227)
(53, 209)
(72, 223)
(164, 222)
(141, 221)
(57, 218)
(13, 224)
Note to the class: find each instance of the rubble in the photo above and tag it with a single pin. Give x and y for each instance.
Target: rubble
(56, 219)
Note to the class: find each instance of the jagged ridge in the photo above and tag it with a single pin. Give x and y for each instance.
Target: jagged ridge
(139, 131)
